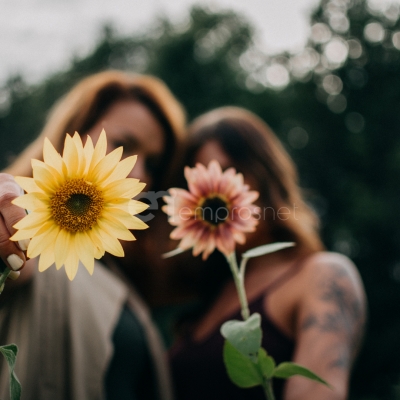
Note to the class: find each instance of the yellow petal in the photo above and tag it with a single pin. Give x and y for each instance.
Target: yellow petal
(128, 205)
(46, 258)
(24, 234)
(37, 163)
(136, 207)
(28, 184)
(122, 170)
(98, 253)
(105, 167)
(39, 243)
(121, 215)
(128, 188)
(71, 157)
(99, 151)
(32, 201)
(98, 244)
(47, 180)
(62, 247)
(81, 155)
(137, 223)
(128, 220)
(36, 218)
(46, 226)
(88, 151)
(110, 243)
(71, 264)
(115, 228)
(78, 141)
(52, 157)
(85, 249)
(120, 203)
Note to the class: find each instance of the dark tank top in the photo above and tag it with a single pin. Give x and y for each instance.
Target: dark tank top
(198, 371)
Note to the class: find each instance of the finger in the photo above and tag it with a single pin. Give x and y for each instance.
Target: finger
(13, 275)
(12, 256)
(10, 252)
(11, 213)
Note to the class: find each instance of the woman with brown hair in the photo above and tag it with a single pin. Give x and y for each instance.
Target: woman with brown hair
(94, 336)
(312, 302)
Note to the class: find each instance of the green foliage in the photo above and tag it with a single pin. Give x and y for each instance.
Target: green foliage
(244, 336)
(247, 364)
(9, 352)
(287, 369)
(247, 373)
(267, 249)
(266, 364)
(351, 161)
(201, 63)
(241, 370)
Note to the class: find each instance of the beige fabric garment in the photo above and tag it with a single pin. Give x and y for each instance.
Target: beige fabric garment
(74, 322)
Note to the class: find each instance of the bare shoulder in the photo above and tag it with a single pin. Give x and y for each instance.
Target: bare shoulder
(333, 276)
(326, 268)
(334, 299)
(330, 319)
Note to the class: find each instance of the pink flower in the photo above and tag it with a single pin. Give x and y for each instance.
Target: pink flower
(215, 212)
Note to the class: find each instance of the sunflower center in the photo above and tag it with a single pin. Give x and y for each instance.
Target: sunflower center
(77, 205)
(214, 210)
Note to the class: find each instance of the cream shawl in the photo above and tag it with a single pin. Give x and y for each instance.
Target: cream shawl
(64, 333)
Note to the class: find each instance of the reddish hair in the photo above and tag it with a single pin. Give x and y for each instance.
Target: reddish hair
(87, 101)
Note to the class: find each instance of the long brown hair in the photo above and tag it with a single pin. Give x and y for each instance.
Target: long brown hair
(256, 151)
(87, 101)
(78, 111)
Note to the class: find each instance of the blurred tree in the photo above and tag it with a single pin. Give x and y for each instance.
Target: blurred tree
(335, 106)
(199, 60)
(23, 108)
(343, 127)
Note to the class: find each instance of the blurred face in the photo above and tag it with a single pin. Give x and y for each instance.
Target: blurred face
(212, 150)
(130, 124)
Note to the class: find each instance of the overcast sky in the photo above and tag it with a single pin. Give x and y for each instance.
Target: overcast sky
(38, 37)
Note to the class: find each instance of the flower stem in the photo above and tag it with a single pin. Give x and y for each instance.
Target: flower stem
(267, 385)
(3, 278)
(239, 283)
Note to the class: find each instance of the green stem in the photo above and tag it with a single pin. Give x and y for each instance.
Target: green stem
(267, 385)
(242, 268)
(3, 278)
(239, 283)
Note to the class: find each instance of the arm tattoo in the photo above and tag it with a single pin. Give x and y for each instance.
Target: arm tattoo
(344, 315)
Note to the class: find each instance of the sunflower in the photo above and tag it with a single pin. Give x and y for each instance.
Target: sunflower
(79, 204)
(214, 213)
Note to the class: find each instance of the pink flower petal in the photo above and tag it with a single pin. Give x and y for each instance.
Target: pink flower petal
(247, 197)
(224, 239)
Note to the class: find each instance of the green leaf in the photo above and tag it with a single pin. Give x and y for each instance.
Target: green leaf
(266, 364)
(173, 253)
(266, 249)
(9, 352)
(245, 336)
(242, 372)
(287, 369)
